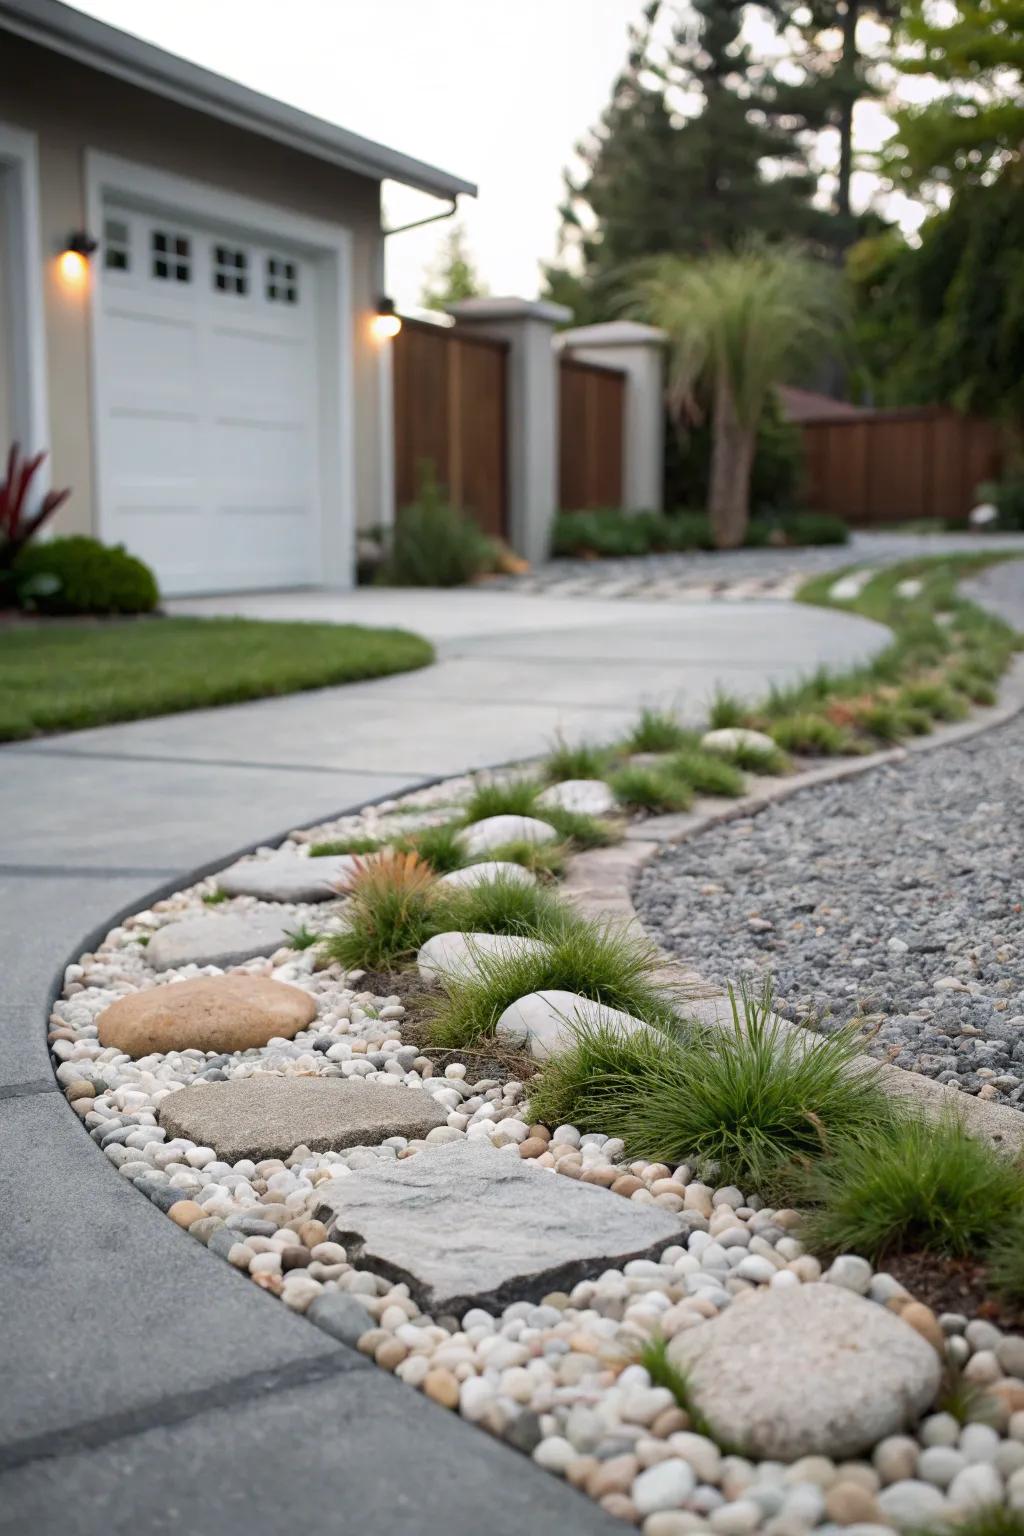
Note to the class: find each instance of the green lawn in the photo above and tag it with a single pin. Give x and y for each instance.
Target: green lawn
(67, 676)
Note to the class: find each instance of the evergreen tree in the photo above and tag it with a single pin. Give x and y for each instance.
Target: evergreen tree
(454, 275)
(694, 153)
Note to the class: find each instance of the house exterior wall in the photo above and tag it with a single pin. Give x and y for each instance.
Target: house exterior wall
(72, 108)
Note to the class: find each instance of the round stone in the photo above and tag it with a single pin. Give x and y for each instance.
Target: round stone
(912, 1506)
(211, 1013)
(589, 797)
(736, 738)
(489, 869)
(666, 1485)
(495, 832)
(812, 1370)
(463, 955)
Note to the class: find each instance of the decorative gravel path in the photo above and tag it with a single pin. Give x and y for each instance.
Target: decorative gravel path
(893, 899)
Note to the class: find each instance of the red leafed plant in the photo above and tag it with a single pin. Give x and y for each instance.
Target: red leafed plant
(17, 525)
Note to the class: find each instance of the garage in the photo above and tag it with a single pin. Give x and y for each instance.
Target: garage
(207, 400)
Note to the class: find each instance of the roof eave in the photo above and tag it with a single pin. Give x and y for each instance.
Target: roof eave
(77, 36)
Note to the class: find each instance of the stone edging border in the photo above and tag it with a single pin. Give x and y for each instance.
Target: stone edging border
(600, 882)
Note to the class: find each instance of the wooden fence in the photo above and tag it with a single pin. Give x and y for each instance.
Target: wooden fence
(890, 466)
(591, 404)
(450, 409)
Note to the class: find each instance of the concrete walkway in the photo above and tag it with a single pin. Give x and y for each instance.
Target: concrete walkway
(147, 1388)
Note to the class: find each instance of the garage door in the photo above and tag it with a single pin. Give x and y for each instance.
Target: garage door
(207, 394)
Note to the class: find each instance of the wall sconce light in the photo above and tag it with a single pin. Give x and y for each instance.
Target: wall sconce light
(74, 258)
(386, 324)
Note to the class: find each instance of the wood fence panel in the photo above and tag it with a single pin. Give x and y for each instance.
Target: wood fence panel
(450, 411)
(591, 404)
(892, 466)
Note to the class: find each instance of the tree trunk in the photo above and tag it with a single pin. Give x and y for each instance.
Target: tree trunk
(847, 79)
(732, 456)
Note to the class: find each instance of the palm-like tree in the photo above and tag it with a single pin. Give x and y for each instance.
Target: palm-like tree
(739, 323)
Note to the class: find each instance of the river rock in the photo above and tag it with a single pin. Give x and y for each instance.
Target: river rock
(211, 1013)
(591, 797)
(458, 955)
(735, 738)
(547, 1021)
(489, 869)
(466, 1225)
(222, 940)
(497, 831)
(287, 877)
(812, 1370)
(269, 1116)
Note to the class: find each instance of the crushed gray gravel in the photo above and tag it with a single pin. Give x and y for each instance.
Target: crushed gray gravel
(893, 900)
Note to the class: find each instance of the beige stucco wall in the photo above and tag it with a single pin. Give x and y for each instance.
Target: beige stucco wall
(72, 108)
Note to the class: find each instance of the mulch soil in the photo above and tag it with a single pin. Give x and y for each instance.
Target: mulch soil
(954, 1285)
(488, 1060)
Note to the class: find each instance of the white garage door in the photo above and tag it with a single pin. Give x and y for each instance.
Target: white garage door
(207, 391)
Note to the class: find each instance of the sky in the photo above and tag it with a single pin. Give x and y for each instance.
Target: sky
(497, 94)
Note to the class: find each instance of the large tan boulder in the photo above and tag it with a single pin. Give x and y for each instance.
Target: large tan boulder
(211, 1013)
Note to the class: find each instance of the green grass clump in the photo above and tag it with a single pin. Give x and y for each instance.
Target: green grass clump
(561, 1093)
(301, 938)
(811, 734)
(757, 759)
(391, 912)
(214, 898)
(578, 828)
(1006, 1259)
(910, 1183)
(705, 772)
(655, 1361)
(357, 845)
(502, 797)
(883, 719)
(753, 1098)
(936, 698)
(977, 687)
(545, 860)
(501, 906)
(990, 1520)
(650, 789)
(439, 846)
(597, 960)
(582, 761)
(69, 676)
(726, 710)
(656, 731)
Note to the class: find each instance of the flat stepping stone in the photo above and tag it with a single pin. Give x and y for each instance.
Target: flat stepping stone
(211, 1013)
(498, 831)
(490, 869)
(459, 955)
(286, 877)
(228, 940)
(812, 1371)
(734, 738)
(465, 1225)
(269, 1116)
(591, 797)
(547, 1021)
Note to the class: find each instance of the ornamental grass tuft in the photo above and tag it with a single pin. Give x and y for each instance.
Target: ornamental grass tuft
(909, 1183)
(812, 734)
(639, 788)
(390, 913)
(501, 905)
(439, 846)
(582, 761)
(726, 710)
(570, 1087)
(1006, 1258)
(502, 797)
(357, 845)
(706, 773)
(545, 860)
(598, 960)
(579, 828)
(657, 731)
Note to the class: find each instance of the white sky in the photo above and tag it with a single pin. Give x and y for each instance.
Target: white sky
(496, 93)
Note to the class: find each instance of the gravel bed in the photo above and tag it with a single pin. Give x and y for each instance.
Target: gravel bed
(892, 899)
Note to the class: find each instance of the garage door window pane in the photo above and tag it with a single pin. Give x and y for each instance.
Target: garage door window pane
(282, 280)
(230, 269)
(116, 245)
(171, 256)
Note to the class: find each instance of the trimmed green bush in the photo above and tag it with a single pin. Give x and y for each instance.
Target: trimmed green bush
(81, 575)
(433, 544)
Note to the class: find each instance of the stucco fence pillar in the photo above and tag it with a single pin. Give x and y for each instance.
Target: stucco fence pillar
(638, 351)
(532, 427)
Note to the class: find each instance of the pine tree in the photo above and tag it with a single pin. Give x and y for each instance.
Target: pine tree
(454, 275)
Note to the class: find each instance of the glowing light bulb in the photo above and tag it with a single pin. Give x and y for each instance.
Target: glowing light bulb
(385, 327)
(74, 268)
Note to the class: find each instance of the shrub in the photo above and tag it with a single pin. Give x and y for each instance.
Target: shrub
(1008, 498)
(813, 528)
(604, 531)
(583, 761)
(81, 575)
(390, 913)
(749, 1099)
(706, 772)
(433, 544)
(657, 731)
(17, 525)
(910, 1184)
(600, 961)
(650, 789)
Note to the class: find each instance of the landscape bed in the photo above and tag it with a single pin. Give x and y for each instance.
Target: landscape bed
(723, 1189)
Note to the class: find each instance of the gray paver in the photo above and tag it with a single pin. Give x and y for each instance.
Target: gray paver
(269, 1116)
(467, 1225)
(216, 940)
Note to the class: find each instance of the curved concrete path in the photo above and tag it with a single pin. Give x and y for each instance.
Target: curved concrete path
(147, 1388)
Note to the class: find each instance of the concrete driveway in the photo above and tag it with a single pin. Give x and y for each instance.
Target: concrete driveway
(148, 1388)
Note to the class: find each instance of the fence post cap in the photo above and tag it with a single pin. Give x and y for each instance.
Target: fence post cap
(490, 309)
(614, 333)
